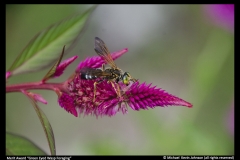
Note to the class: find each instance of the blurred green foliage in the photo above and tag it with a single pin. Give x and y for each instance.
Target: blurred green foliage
(174, 47)
(18, 145)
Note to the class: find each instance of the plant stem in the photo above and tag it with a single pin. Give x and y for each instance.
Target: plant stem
(34, 85)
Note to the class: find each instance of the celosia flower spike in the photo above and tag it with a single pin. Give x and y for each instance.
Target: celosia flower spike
(63, 65)
(144, 96)
(137, 96)
(80, 93)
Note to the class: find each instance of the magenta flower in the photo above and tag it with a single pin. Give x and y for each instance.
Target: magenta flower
(79, 95)
(62, 66)
(221, 14)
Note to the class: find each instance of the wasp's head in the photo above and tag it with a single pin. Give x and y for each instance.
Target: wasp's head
(126, 77)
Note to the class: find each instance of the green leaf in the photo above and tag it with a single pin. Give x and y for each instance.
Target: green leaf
(47, 45)
(46, 126)
(18, 145)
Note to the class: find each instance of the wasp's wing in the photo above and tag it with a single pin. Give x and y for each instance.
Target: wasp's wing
(102, 50)
(93, 72)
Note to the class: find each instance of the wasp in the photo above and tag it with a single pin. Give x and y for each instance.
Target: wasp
(112, 74)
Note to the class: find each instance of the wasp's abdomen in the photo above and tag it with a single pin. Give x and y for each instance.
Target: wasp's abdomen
(89, 73)
(88, 76)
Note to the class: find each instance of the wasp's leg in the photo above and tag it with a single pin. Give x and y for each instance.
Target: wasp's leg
(133, 79)
(95, 89)
(116, 90)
